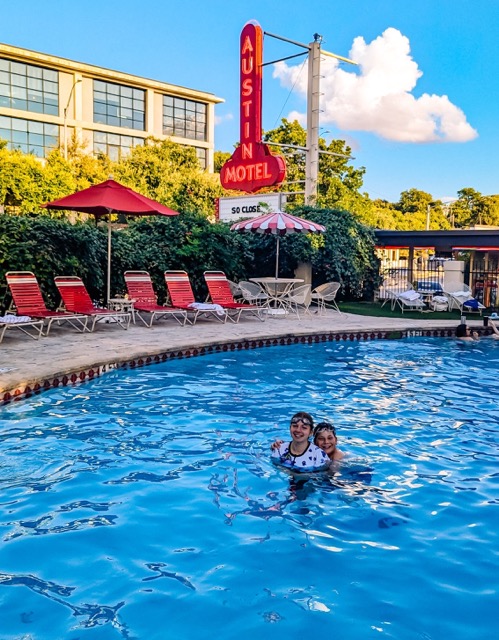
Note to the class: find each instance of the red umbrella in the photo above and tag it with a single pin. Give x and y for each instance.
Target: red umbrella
(106, 198)
(278, 224)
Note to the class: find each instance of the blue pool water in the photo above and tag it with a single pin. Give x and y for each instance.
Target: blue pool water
(144, 504)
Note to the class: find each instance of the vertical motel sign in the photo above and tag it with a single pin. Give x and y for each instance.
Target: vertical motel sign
(252, 166)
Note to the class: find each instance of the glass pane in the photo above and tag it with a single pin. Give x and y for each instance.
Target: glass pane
(113, 138)
(19, 137)
(18, 81)
(51, 141)
(5, 122)
(21, 147)
(99, 86)
(36, 138)
(113, 89)
(5, 90)
(52, 76)
(51, 100)
(35, 96)
(37, 107)
(138, 125)
(100, 136)
(35, 127)
(34, 83)
(18, 67)
(114, 153)
(127, 92)
(5, 77)
(114, 122)
(100, 107)
(167, 130)
(138, 94)
(114, 100)
(99, 147)
(139, 116)
(190, 106)
(200, 135)
(126, 113)
(168, 101)
(51, 130)
(126, 141)
(19, 92)
(50, 87)
(4, 101)
(52, 110)
(168, 111)
(4, 64)
(112, 110)
(126, 102)
(37, 151)
(22, 105)
(18, 124)
(5, 134)
(99, 118)
(34, 72)
(179, 102)
(138, 142)
(99, 96)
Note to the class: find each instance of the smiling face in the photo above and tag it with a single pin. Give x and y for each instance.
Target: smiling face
(326, 440)
(300, 429)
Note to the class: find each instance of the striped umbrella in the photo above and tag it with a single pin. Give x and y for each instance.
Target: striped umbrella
(278, 224)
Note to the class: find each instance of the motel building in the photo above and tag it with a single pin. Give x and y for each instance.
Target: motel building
(44, 100)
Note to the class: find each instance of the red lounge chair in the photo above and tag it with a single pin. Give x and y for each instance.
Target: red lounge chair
(31, 328)
(28, 301)
(141, 291)
(182, 297)
(221, 293)
(75, 298)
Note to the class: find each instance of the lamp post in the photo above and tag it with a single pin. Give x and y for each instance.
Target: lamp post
(66, 117)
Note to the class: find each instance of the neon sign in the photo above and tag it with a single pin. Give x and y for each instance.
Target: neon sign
(252, 166)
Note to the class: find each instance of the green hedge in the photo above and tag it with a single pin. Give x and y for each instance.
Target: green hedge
(51, 247)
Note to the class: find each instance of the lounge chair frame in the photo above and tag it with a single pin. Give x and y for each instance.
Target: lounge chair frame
(75, 299)
(27, 300)
(31, 328)
(220, 292)
(141, 291)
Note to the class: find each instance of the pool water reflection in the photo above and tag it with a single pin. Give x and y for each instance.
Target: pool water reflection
(144, 504)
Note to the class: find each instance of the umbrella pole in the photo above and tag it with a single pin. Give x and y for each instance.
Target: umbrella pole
(108, 288)
(277, 259)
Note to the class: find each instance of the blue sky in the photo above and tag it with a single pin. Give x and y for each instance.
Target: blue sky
(420, 111)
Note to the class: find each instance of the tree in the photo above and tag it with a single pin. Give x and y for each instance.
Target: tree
(416, 206)
(338, 182)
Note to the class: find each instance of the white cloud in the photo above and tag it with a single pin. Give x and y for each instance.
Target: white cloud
(222, 119)
(377, 95)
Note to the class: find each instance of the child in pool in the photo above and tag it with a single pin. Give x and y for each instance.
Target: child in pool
(325, 438)
(300, 454)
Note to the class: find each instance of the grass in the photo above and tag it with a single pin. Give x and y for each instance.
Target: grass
(374, 309)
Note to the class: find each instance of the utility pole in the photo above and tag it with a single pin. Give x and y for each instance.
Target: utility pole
(313, 96)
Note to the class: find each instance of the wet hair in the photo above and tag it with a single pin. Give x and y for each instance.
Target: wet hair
(304, 416)
(461, 331)
(323, 426)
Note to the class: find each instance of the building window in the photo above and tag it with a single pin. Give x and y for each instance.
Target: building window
(114, 145)
(119, 106)
(28, 88)
(202, 155)
(184, 118)
(28, 136)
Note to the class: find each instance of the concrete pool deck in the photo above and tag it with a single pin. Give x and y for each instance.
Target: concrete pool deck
(66, 356)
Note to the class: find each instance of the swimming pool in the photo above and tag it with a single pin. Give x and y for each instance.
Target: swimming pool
(144, 504)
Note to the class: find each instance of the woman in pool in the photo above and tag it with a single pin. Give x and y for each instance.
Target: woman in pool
(464, 333)
(300, 454)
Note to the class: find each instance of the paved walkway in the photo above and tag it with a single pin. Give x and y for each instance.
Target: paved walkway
(24, 362)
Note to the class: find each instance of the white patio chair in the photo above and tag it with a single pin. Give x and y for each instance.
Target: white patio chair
(298, 299)
(325, 295)
(253, 293)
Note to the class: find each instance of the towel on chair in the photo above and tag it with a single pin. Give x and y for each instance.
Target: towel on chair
(9, 319)
(206, 306)
(410, 295)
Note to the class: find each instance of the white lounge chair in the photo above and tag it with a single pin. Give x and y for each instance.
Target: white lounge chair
(408, 299)
(458, 298)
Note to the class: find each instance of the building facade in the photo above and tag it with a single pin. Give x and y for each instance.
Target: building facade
(45, 99)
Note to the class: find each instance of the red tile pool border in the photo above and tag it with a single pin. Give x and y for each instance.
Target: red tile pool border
(77, 377)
